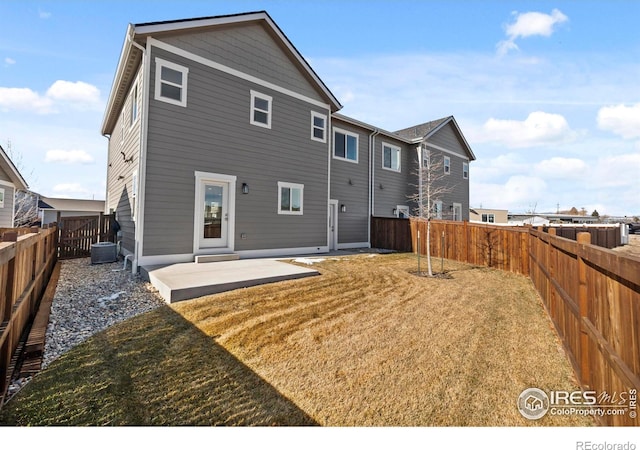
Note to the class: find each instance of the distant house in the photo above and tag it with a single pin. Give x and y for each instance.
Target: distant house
(49, 208)
(10, 182)
(553, 218)
(223, 139)
(486, 215)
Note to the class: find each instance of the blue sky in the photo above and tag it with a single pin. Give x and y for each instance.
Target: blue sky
(546, 93)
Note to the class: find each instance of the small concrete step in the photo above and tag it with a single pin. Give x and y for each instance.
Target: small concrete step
(216, 258)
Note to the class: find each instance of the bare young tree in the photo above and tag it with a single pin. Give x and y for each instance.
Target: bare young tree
(428, 195)
(25, 211)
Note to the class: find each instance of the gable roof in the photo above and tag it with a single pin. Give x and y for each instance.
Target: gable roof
(425, 130)
(131, 55)
(12, 171)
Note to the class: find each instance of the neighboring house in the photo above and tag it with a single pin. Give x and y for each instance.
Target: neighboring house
(10, 182)
(552, 218)
(49, 208)
(223, 139)
(486, 215)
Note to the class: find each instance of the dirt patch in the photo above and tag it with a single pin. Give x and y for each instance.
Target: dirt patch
(632, 248)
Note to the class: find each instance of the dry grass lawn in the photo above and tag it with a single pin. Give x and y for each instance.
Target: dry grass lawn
(365, 344)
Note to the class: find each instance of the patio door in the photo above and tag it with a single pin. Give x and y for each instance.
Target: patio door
(214, 212)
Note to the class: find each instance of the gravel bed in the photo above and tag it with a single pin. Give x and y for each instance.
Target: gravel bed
(90, 298)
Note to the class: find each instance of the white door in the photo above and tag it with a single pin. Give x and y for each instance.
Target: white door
(214, 214)
(457, 211)
(333, 224)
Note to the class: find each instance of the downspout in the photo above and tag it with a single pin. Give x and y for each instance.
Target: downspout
(372, 141)
(143, 109)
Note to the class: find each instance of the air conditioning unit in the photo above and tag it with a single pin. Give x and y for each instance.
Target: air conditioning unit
(103, 252)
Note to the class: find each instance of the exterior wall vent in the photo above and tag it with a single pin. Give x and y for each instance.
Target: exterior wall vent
(103, 252)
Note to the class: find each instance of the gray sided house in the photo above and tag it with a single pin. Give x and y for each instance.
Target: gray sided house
(222, 139)
(10, 182)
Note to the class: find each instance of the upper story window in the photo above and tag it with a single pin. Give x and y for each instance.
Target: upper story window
(391, 157)
(465, 170)
(260, 109)
(318, 127)
(134, 106)
(345, 145)
(447, 165)
(489, 218)
(1, 197)
(290, 198)
(171, 82)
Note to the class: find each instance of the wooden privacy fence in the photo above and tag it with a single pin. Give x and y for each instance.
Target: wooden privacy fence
(607, 237)
(25, 269)
(591, 294)
(77, 234)
(391, 233)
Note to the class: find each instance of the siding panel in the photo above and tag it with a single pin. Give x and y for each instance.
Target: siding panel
(213, 134)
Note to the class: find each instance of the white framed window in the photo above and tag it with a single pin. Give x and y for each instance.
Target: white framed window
(489, 218)
(134, 106)
(1, 197)
(318, 127)
(465, 170)
(390, 157)
(345, 145)
(260, 109)
(402, 211)
(134, 194)
(447, 165)
(290, 198)
(171, 82)
(437, 209)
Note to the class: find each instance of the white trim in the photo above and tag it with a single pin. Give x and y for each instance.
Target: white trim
(7, 183)
(392, 147)
(160, 63)
(3, 194)
(402, 208)
(332, 203)
(346, 133)
(353, 245)
(290, 212)
(134, 195)
(315, 114)
(201, 177)
(221, 67)
(328, 198)
(453, 211)
(442, 149)
(142, 165)
(446, 165)
(253, 109)
(465, 164)
(281, 252)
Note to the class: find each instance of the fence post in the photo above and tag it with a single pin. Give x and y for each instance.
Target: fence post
(583, 304)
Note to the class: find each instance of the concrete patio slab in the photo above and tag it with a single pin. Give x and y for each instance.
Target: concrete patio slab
(190, 280)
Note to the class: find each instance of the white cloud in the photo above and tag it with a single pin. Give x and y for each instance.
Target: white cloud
(620, 119)
(68, 156)
(78, 92)
(24, 99)
(43, 14)
(561, 168)
(539, 128)
(9, 61)
(617, 171)
(519, 192)
(529, 24)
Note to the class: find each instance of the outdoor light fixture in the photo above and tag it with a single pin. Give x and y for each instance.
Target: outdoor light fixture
(245, 188)
(343, 208)
(381, 186)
